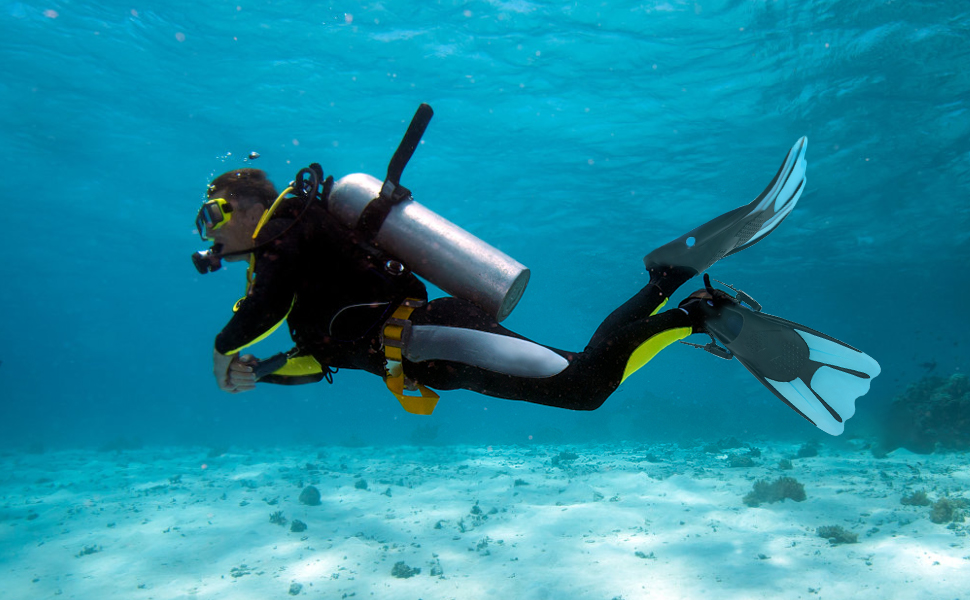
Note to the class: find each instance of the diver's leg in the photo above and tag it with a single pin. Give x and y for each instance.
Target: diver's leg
(664, 281)
(581, 381)
(672, 264)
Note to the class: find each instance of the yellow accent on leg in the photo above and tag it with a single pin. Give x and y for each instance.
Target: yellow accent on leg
(650, 348)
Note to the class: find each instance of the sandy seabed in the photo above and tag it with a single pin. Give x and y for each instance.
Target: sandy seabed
(606, 522)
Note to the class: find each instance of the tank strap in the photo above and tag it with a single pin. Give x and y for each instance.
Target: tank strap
(375, 213)
(394, 336)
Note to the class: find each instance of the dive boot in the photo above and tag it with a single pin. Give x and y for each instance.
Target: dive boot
(744, 226)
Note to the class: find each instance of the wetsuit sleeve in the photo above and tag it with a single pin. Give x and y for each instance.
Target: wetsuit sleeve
(269, 299)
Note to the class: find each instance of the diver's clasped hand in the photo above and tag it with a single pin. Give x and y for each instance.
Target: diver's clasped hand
(234, 373)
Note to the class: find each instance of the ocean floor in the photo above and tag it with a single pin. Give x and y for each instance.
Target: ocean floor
(519, 522)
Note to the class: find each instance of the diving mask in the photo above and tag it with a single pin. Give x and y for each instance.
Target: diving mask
(214, 214)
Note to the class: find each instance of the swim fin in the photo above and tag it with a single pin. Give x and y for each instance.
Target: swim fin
(816, 375)
(744, 226)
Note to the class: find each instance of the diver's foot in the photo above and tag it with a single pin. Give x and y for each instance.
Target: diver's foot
(699, 295)
(698, 306)
(734, 231)
(708, 302)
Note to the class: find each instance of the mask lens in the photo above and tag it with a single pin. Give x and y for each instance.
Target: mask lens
(200, 224)
(213, 215)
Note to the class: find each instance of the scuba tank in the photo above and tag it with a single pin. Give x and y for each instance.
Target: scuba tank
(434, 248)
(431, 246)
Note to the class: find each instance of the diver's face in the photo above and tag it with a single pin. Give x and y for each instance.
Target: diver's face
(237, 234)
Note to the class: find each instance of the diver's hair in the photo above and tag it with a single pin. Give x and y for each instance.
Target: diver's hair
(247, 186)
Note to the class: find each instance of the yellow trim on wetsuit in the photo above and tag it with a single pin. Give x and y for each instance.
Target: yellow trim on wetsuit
(394, 371)
(650, 348)
(269, 212)
(259, 226)
(266, 333)
(251, 271)
(299, 366)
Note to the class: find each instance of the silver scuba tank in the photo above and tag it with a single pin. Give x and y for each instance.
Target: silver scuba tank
(435, 248)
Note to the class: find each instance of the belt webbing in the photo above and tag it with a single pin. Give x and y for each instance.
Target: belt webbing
(394, 334)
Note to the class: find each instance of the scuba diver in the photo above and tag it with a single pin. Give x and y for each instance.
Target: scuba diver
(338, 263)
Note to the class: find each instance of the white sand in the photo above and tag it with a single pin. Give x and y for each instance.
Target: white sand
(609, 524)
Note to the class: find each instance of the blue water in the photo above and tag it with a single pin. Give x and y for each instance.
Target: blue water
(575, 137)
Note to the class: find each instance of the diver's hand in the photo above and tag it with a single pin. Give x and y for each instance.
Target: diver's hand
(234, 373)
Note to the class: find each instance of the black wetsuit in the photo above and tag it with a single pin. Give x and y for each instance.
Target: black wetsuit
(341, 295)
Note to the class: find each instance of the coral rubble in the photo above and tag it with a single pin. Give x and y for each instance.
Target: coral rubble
(933, 413)
(776, 491)
(836, 535)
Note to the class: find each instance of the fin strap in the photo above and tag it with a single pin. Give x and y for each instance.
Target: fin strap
(394, 336)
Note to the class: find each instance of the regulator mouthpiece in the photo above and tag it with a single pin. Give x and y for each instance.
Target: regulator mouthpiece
(207, 261)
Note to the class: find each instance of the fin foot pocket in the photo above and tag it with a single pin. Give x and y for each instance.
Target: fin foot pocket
(816, 375)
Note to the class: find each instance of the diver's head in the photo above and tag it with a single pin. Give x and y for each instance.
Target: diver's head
(236, 200)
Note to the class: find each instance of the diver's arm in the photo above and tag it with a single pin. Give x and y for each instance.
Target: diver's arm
(267, 304)
(271, 295)
(265, 307)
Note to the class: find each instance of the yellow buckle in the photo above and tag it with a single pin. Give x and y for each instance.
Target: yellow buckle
(395, 333)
